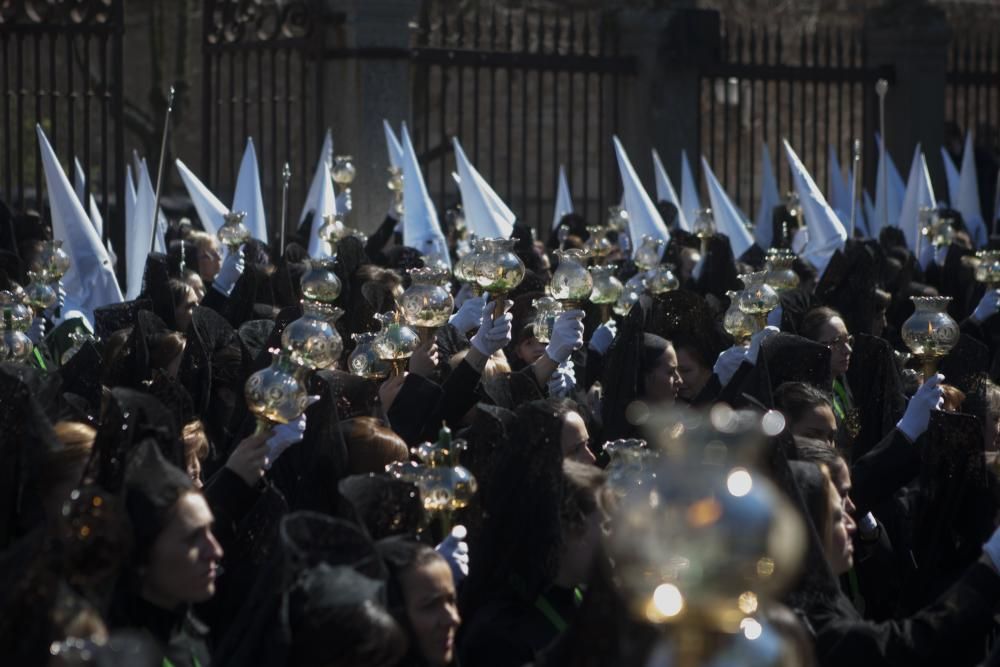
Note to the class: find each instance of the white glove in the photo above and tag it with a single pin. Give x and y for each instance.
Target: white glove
(232, 269)
(563, 381)
(37, 330)
(493, 334)
(727, 363)
(603, 336)
(469, 314)
(757, 339)
(567, 336)
(987, 306)
(286, 435)
(344, 203)
(940, 255)
(455, 550)
(774, 317)
(699, 266)
(918, 412)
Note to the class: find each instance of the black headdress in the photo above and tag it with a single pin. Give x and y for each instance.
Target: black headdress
(152, 486)
(211, 369)
(521, 528)
(156, 288)
(109, 319)
(25, 439)
(788, 358)
(957, 505)
(131, 417)
(304, 541)
(354, 396)
(382, 505)
(848, 285)
(621, 375)
(307, 474)
(875, 381)
(718, 273)
(965, 363)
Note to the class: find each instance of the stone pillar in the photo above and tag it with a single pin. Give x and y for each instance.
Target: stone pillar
(912, 36)
(361, 91)
(662, 103)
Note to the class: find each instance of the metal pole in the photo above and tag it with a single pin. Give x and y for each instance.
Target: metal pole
(881, 88)
(159, 169)
(286, 177)
(855, 183)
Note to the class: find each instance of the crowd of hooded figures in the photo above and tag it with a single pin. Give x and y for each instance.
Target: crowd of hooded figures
(148, 518)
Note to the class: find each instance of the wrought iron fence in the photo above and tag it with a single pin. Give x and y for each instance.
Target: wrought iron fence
(61, 68)
(263, 78)
(524, 90)
(813, 89)
(972, 94)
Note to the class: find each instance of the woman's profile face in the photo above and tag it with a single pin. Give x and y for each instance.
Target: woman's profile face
(575, 439)
(432, 609)
(183, 561)
(530, 350)
(663, 381)
(834, 335)
(840, 551)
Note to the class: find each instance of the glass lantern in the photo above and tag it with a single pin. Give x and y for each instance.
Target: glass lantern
(396, 342)
(661, 279)
(649, 253)
(465, 267)
(988, 268)
(312, 341)
(498, 269)
(598, 245)
(426, 303)
(571, 282)
(17, 347)
(343, 170)
(704, 228)
(51, 263)
(395, 185)
(320, 282)
(547, 310)
(634, 287)
(703, 539)
(276, 394)
(607, 288)
(233, 233)
(737, 324)
(780, 274)
(364, 360)
(445, 485)
(930, 332)
(757, 298)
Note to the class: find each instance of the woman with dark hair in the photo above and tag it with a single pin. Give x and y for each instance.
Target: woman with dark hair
(371, 446)
(949, 631)
(826, 327)
(423, 601)
(174, 560)
(539, 543)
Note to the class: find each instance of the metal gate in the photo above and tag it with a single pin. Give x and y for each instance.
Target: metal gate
(61, 67)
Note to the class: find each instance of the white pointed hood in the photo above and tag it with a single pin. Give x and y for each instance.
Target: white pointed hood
(393, 146)
(326, 205)
(689, 190)
(895, 191)
(968, 195)
(840, 191)
(248, 196)
(665, 191)
(826, 233)
(90, 282)
(79, 185)
(643, 216)
(729, 220)
(140, 234)
(146, 214)
(919, 193)
(952, 177)
(769, 199)
(564, 201)
(421, 228)
(486, 215)
(130, 197)
(210, 209)
(316, 186)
